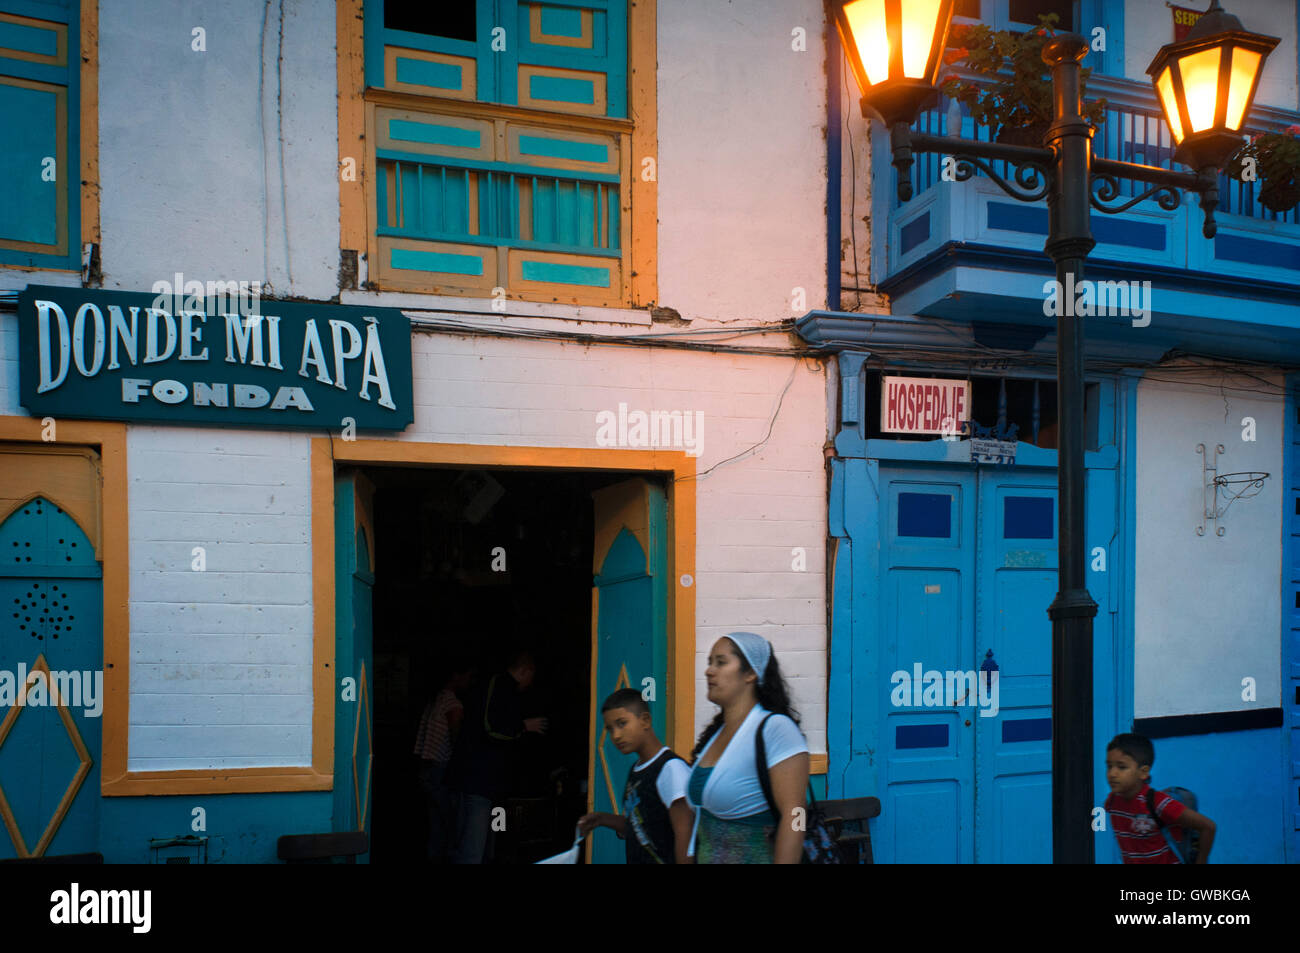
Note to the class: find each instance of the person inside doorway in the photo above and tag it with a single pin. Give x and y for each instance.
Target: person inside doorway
(733, 817)
(481, 763)
(439, 727)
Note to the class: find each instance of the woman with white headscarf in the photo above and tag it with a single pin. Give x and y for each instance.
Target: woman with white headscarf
(733, 820)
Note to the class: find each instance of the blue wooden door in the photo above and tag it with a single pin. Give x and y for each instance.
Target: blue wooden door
(52, 621)
(354, 581)
(1017, 582)
(927, 624)
(630, 615)
(968, 568)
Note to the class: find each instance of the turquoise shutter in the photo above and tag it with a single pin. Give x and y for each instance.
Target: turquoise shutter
(469, 203)
(40, 220)
(569, 56)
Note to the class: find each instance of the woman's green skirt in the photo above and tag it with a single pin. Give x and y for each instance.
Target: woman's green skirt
(743, 841)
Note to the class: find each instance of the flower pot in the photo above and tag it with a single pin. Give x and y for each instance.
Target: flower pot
(1280, 196)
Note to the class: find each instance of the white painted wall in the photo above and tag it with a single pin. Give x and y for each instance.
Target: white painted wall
(1207, 607)
(742, 159)
(190, 157)
(1149, 25)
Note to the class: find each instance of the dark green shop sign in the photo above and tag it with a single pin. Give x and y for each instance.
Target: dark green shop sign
(118, 355)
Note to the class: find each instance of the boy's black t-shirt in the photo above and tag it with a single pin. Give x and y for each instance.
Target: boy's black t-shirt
(650, 841)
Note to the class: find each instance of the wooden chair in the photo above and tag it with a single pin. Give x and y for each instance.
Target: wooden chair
(857, 811)
(322, 848)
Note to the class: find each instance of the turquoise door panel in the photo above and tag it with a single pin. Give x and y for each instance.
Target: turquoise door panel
(51, 615)
(354, 659)
(631, 646)
(927, 772)
(29, 212)
(1017, 574)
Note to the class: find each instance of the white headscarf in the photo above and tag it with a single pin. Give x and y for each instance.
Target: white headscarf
(756, 649)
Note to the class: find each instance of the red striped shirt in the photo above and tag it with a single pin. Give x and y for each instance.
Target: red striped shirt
(1140, 838)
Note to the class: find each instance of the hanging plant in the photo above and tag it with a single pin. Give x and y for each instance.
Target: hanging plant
(1275, 167)
(1011, 92)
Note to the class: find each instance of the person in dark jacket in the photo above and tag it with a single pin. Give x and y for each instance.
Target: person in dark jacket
(480, 766)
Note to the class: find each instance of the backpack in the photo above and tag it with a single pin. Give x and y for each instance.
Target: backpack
(819, 846)
(1186, 848)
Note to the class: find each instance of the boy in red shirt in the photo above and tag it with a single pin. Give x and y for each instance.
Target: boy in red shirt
(1128, 770)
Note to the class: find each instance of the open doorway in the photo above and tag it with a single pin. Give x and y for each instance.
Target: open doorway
(469, 564)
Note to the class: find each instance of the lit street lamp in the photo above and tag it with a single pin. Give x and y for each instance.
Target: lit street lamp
(1205, 85)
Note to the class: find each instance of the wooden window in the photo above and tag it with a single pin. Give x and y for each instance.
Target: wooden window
(39, 113)
(499, 137)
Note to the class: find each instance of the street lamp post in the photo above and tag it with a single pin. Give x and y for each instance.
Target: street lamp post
(1205, 85)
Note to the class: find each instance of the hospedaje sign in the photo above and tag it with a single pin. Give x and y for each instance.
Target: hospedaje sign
(923, 405)
(116, 355)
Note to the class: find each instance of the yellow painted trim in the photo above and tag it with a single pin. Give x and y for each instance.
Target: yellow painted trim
(44, 471)
(599, 90)
(90, 231)
(435, 282)
(556, 291)
(60, 31)
(535, 34)
(611, 142)
(641, 206)
(468, 75)
(484, 128)
(360, 800)
(110, 440)
(817, 763)
(352, 124)
(476, 110)
(621, 682)
(70, 793)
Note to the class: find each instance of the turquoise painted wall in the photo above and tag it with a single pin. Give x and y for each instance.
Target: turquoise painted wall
(1237, 779)
(241, 828)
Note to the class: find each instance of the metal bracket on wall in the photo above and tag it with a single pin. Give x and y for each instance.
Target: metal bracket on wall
(1230, 486)
(1209, 489)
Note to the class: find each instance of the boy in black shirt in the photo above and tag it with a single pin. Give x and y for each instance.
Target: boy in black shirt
(655, 810)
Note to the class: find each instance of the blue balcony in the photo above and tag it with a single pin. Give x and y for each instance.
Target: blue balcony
(967, 251)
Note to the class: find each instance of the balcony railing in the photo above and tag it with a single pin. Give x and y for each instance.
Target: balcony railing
(1132, 132)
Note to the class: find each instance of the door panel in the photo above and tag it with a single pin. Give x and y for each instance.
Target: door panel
(928, 525)
(1017, 567)
(353, 650)
(629, 639)
(50, 591)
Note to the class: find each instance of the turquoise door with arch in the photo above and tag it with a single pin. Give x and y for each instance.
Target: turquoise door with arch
(354, 581)
(630, 638)
(50, 739)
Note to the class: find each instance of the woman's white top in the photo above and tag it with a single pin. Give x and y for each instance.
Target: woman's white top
(733, 789)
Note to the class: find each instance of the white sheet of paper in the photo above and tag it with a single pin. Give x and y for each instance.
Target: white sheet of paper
(569, 856)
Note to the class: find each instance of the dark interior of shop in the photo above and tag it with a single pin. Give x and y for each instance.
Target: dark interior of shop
(439, 599)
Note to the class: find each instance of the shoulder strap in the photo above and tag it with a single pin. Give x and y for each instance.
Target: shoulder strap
(760, 764)
(1151, 805)
(764, 778)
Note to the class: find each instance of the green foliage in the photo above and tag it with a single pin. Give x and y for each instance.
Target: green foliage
(1276, 164)
(999, 99)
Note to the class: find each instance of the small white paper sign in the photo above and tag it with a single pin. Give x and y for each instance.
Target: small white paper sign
(984, 450)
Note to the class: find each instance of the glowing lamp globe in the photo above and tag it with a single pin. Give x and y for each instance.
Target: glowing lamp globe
(895, 48)
(1206, 84)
